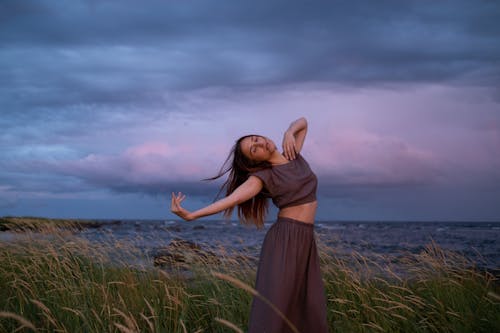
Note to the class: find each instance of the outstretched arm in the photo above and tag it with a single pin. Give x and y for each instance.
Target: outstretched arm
(294, 137)
(250, 188)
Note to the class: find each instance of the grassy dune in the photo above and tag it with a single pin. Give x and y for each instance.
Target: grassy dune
(25, 223)
(66, 284)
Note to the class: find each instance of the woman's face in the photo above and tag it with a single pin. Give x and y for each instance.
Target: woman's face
(257, 148)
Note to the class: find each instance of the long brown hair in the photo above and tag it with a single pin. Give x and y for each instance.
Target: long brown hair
(254, 210)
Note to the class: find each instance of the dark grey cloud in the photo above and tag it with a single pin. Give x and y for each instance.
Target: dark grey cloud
(123, 53)
(53, 178)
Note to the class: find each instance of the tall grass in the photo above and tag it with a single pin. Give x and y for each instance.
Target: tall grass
(21, 223)
(439, 291)
(62, 283)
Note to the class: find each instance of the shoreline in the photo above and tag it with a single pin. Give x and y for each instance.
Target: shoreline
(33, 223)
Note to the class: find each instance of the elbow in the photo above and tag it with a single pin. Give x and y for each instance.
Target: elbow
(301, 122)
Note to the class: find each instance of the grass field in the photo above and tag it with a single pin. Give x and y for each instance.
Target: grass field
(62, 283)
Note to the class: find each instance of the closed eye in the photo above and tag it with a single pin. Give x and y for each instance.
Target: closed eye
(253, 149)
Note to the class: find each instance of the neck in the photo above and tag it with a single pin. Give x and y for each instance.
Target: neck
(277, 158)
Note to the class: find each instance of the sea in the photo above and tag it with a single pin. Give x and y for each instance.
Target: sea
(477, 241)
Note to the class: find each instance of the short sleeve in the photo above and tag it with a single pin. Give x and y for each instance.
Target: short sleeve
(264, 175)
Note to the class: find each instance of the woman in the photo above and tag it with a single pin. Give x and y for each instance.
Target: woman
(288, 273)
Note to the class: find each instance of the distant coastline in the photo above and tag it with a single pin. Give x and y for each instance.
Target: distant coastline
(33, 223)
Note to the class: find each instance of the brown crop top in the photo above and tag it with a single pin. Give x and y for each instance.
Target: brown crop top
(289, 184)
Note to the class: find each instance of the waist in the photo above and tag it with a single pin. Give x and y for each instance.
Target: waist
(293, 221)
(304, 213)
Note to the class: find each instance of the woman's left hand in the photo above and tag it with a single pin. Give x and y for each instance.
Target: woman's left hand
(177, 209)
(289, 147)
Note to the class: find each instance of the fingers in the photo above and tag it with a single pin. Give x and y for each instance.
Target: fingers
(289, 151)
(178, 197)
(176, 206)
(176, 201)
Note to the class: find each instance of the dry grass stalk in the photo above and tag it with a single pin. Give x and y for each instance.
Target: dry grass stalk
(493, 295)
(148, 321)
(183, 326)
(129, 320)
(25, 323)
(46, 311)
(229, 324)
(123, 328)
(375, 326)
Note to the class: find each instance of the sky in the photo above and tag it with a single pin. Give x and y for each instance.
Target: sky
(109, 106)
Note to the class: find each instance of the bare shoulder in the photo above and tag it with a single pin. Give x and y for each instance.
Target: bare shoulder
(254, 179)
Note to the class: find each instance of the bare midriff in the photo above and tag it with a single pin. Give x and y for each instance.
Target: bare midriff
(304, 213)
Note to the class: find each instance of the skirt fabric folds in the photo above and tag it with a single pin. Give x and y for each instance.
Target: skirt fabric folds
(289, 276)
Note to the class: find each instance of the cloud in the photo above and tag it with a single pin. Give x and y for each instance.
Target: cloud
(8, 198)
(353, 157)
(151, 167)
(356, 159)
(120, 54)
(358, 138)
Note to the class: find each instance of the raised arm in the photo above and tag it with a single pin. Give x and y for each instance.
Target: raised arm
(294, 137)
(250, 188)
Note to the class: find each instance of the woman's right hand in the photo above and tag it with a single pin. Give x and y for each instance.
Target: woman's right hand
(289, 148)
(177, 209)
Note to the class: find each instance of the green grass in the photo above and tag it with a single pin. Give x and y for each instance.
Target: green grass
(443, 293)
(71, 285)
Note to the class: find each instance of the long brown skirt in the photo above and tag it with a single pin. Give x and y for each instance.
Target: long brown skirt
(289, 277)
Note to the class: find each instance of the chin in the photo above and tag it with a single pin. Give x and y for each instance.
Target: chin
(272, 146)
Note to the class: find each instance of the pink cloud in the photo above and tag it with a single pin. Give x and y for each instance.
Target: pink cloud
(357, 156)
(147, 164)
(150, 149)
